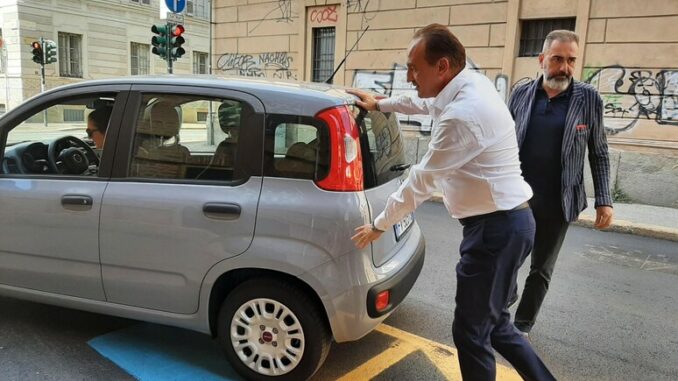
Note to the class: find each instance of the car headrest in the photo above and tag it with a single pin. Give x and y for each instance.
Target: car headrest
(229, 115)
(163, 121)
(301, 151)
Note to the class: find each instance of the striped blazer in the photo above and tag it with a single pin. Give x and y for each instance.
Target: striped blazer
(583, 128)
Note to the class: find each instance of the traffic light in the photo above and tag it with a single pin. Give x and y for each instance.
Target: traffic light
(38, 57)
(160, 40)
(176, 40)
(50, 52)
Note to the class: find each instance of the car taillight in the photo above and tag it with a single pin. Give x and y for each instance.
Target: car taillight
(346, 163)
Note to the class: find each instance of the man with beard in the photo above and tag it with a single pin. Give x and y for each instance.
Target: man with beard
(556, 119)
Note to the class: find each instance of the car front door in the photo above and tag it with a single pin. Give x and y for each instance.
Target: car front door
(183, 195)
(51, 184)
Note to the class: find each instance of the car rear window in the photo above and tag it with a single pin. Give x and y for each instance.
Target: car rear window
(296, 147)
(382, 146)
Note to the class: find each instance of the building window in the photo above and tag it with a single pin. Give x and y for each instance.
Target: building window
(323, 54)
(140, 59)
(73, 115)
(141, 1)
(198, 8)
(3, 108)
(70, 55)
(534, 32)
(199, 63)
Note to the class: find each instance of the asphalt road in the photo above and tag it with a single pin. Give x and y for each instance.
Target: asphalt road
(611, 314)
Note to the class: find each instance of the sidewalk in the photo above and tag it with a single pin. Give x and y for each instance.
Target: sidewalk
(638, 219)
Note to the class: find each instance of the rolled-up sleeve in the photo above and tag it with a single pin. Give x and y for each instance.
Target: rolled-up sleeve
(452, 145)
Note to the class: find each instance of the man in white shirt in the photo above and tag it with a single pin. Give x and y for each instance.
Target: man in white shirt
(473, 158)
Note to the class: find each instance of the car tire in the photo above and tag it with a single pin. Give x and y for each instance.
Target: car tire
(271, 310)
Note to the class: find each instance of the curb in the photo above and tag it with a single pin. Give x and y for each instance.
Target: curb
(627, 227)
(619, 226)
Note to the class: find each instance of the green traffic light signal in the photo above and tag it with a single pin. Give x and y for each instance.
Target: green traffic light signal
(38, 57)
(50, 52)
(159, 41)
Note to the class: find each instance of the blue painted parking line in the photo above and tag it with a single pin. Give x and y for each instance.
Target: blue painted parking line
(152, 352)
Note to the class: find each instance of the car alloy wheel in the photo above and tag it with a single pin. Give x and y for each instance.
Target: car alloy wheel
(267, 337)
(273, 329)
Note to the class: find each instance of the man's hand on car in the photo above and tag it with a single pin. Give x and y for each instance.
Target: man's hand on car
(367, 100)
(365, 234)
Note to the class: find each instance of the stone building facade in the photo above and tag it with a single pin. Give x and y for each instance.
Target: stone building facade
(96, 38)
(628, 48)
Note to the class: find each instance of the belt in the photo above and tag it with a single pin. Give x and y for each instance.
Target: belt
(469, 220)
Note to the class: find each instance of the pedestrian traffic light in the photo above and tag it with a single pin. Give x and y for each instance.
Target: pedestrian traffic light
(50, 52)
(160, 40)
(176, 40)
(38, 57)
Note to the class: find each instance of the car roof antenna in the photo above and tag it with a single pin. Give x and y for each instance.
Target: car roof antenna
(329, 80)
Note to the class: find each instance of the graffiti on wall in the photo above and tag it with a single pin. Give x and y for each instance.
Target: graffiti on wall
(326, 14)
(630, 95)
(276, 65)
(281, 12)
(394, 83)
(360, 6)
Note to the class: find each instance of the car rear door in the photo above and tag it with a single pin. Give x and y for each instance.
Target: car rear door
(183, 197)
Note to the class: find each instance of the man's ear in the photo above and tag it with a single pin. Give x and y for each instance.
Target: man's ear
(444, 65)
(541, 60)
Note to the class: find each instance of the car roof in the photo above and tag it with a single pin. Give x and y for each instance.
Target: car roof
(278, 96)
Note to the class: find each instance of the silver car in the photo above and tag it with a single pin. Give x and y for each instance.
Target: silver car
(223, 206)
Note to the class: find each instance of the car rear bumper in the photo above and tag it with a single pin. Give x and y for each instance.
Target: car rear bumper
(346, 286)
(398, 285)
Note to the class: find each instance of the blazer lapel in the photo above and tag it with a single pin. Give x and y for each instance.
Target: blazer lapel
(525, 114)
(573, 112)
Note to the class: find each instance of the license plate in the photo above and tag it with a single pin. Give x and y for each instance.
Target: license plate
(402, 226)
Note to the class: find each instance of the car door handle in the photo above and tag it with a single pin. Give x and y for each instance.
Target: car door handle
(74, 200)
(221, 210)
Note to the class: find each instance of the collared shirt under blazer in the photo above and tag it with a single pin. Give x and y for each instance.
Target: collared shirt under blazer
(472, 156)
(584, 129)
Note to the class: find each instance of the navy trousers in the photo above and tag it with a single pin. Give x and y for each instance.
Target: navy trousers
(492, 250)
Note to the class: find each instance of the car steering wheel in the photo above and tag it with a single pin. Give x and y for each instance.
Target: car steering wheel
(74, 159)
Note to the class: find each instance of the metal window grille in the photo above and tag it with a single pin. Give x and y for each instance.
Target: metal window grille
(199, 63)
(323, 54)
(70, 55)
(140, 60)
(534, 33)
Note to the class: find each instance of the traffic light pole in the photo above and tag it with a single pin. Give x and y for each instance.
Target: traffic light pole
(169, 49)
(42, 76)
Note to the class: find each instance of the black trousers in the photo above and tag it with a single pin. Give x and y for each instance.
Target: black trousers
(551, 230)
(492, 250)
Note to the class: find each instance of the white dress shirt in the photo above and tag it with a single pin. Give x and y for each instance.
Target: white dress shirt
(472, 156)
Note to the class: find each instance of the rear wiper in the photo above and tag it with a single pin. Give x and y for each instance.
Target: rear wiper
(399, 167)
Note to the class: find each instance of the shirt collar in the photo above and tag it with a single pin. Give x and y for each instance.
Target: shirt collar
(450, 91)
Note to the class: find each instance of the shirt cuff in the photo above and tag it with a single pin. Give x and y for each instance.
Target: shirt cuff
(381, 223)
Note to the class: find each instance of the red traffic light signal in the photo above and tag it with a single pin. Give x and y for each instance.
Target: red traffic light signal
(178, 30)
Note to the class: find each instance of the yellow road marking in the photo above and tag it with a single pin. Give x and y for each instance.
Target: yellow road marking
(442, 356)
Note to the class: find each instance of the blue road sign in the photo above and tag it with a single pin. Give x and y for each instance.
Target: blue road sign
(176, 6)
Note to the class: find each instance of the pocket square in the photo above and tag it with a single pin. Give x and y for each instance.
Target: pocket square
(581, 127)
